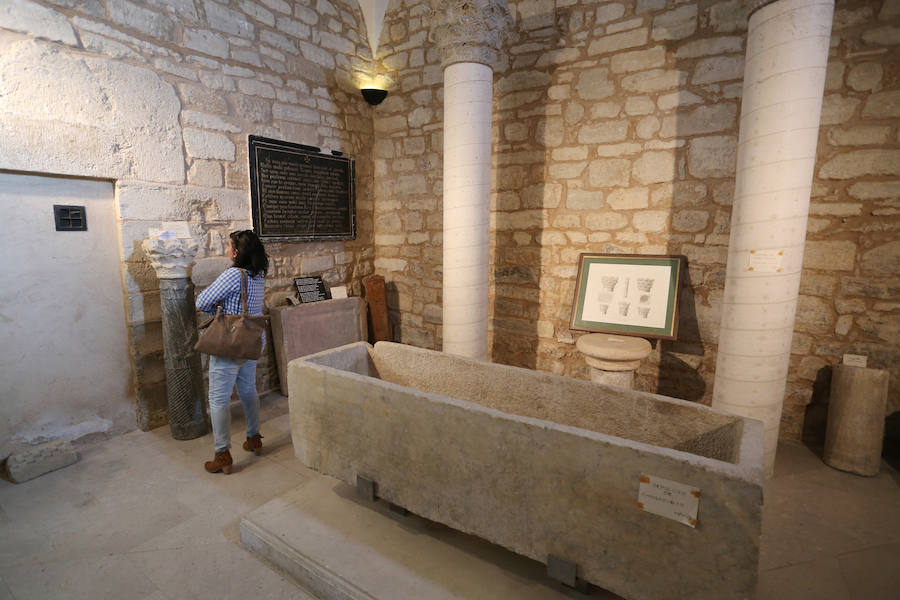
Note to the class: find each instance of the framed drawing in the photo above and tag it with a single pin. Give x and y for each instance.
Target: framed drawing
(628, 294)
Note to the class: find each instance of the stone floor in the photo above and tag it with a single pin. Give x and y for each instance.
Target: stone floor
(137, 517)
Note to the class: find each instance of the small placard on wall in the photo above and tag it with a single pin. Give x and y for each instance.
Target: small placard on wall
(171, 230)
(765, 261)
(311, 289)
(855, 360)
(669, 499)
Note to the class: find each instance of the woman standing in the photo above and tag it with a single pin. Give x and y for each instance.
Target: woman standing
(248, 255)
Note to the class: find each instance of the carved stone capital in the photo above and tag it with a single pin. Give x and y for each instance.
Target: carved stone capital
(751, 6)
(469, 30)
(170, 258)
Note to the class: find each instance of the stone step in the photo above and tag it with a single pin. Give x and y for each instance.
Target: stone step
(340, 546)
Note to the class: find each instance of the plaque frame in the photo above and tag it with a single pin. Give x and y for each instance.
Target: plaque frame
(628, 294)
(257, 143)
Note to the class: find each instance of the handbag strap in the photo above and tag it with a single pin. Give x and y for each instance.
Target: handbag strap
(244, 310)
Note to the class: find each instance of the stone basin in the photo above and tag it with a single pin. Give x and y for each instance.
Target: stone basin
(540, 464)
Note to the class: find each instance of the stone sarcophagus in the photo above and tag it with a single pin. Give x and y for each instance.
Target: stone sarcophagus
(544, 465)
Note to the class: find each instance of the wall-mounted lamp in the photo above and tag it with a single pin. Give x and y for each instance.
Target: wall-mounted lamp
(373, 96)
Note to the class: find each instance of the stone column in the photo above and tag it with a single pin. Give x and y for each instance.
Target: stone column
(784, 79)
(184, 379)
(855, 434)
(468, 34)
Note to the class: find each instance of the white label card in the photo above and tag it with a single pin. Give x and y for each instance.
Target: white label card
(180, 228)
(855, 360)
(669, 499)
(764, 261)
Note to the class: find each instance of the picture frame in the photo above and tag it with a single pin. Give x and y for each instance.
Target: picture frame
(628, 294)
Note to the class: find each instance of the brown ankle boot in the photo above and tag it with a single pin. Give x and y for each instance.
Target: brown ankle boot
(220, 462)
(253, 444)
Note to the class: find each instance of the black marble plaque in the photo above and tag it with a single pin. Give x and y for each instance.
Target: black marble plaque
(301, 194)
(311, 289)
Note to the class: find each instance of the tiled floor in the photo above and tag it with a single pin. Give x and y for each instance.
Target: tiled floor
(137, 517)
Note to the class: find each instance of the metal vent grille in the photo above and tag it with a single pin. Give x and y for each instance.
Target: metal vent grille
(70, 218)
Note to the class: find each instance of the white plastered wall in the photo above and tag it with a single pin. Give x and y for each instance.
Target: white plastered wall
(64, 366)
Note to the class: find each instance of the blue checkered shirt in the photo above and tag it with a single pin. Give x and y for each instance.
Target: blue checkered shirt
(226, 290)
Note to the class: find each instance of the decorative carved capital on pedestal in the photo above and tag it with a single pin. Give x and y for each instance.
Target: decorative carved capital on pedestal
(469, 30)
(171, 258)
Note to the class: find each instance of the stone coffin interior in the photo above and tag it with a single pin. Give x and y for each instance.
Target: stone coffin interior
(640, 417)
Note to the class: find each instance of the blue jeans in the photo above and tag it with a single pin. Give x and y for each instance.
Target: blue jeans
(223, 374)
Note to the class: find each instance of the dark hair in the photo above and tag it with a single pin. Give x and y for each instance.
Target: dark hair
(250, 252)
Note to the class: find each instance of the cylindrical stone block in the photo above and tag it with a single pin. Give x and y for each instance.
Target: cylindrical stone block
(184, 378)
(621, 379)
(855, 429)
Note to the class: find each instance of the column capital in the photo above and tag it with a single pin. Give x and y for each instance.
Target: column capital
(751, 6)
(170, 258)
(469, 30)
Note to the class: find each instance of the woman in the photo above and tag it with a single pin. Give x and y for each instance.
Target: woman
(247, 253)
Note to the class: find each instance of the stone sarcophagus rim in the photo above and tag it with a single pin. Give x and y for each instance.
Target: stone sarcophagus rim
(541, 464)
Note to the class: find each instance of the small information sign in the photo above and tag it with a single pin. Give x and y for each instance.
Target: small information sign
(171, 230)
(855, 360)
(311, 289)
(669, 499)
(765, 261)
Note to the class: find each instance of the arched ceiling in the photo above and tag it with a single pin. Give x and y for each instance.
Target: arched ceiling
(373, 12)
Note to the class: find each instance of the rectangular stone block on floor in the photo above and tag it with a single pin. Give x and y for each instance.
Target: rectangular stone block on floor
(309, 328)
(41, 459)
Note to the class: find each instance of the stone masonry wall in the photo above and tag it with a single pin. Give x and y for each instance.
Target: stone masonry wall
(160, 96)
(615, 129)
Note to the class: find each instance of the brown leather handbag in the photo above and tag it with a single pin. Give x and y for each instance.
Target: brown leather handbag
(234, 336)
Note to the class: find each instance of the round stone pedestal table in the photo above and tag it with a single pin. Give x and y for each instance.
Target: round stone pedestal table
(613, 358)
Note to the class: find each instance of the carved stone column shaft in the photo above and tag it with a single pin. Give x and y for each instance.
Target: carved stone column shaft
(184, 378)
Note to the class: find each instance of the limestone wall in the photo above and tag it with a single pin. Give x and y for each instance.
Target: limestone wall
(160, 96)
(616, 127)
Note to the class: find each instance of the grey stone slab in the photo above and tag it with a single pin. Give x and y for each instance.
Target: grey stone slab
(540, 464)
(341, 547)
(41, 459)
(309, 328)
(79, 578)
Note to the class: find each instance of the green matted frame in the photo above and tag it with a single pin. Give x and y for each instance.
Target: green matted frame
(628, 294)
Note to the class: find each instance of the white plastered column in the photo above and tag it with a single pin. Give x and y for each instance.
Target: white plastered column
(468, 34)
(784, 78)
(468, 89)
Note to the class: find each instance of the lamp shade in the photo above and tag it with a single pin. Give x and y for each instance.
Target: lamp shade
(373, 96)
